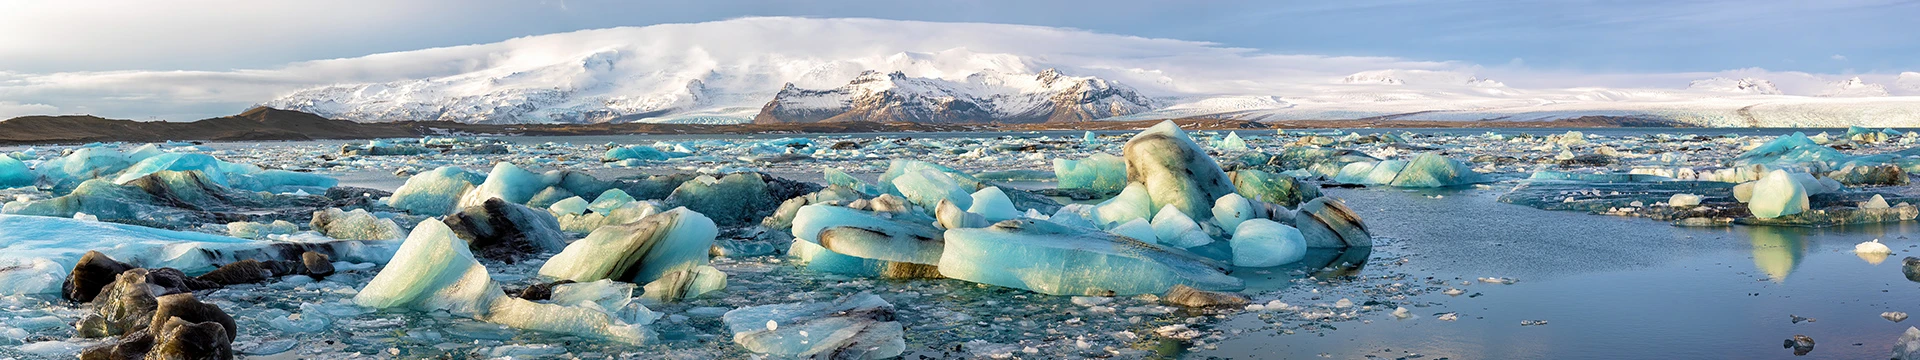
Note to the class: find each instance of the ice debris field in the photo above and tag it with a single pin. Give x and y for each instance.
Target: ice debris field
(831, 246)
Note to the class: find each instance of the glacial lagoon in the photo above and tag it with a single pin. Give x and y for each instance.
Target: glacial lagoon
(1509, 264)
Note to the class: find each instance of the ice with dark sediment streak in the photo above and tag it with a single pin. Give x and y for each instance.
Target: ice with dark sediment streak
(36, 252)
(638, 252)
(434, 271)
(506, 231)
(858, 326)
(1053, 259)
(170, 199)
(1175, 171)
(890, 245)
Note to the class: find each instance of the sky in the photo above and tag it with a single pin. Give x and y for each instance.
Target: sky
(1590, 38)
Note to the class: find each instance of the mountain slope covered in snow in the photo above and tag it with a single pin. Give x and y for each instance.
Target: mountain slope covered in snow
(772, 70)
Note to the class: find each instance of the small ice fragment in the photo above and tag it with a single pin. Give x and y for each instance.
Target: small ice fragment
(1448, 316)
(772, 326)
(1091, 300)
(1532, 322)
(1872, 247)
(1894, 316)
(1402, 313)
(1683, 200)
(1177, 331)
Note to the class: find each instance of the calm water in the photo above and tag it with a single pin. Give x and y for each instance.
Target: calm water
(1610, 287)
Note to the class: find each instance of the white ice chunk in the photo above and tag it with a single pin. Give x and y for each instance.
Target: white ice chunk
(1052, 259)
(993, 204)
(858, 326)
(434, 192)
(639, 252)
(1776, 195)
(1264, 243)
(1138, 229)
(507, 182)
(1172, 227)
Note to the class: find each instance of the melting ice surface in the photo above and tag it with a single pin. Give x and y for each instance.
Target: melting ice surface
(1473, 235)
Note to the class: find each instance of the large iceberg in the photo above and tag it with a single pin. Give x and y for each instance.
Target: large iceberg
(434, 192)
(889, 246)
(1054, 259)
(433, 271)
(1175, 171)
(1778, 194)
(507, 182)
(640, 252)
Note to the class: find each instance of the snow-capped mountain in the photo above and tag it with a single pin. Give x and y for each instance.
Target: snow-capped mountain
(1417, 77)
(981, 97)
(805, 70)
(1740, 86)
(1854, 87)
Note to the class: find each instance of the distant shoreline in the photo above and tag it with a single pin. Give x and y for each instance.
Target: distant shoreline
(266, 124)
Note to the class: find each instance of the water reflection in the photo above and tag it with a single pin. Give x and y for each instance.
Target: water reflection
(1874, 258)
(1777, 250)
(1318, 263)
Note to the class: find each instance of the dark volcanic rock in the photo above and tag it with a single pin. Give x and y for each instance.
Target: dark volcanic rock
(179, 327)
(185, 307)
(318, 264)
(183, 340)
(130, 347)
(506, 231)
(253, 271)
(1187, 296)
(537, 292)
(123, 307)
(94, 271)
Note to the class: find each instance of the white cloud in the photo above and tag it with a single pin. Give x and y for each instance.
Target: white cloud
(1838, 57)
(9, 110)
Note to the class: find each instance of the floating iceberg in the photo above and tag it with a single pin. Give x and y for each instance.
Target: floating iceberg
(993, 204)
(504, 231)
(1264, 243)
(731, 200)
(1175, 171)
(1432, 170)
(354, 225)
(1778, 194)
(434, 192)
(640, 252)
(1101, 173)
(507, 182)
(14, 173)
(887, 247)
(859, 326)
(433, 271)
(1272, 188)
(1054, 259)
